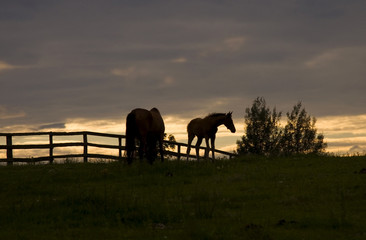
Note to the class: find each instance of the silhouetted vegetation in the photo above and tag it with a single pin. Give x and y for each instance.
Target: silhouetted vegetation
(262, 129)
(300, 134)
(170, 138)
(265, 136)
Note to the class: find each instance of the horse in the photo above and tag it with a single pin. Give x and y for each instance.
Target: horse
(207, 128)
(148, 128)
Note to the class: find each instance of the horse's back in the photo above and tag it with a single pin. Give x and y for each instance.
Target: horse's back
(140, 113)
(142, 119)
(158, 125)
(195, 127)
(147, 121)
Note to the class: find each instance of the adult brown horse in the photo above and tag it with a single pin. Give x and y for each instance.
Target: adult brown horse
(148, 128)
(207, 128)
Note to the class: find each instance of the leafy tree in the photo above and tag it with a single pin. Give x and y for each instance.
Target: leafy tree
(167, 146)
(170, 138)
(300, 134)
(265, 136)
(262, 132)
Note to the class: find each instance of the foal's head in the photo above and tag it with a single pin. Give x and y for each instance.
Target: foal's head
(228, 122)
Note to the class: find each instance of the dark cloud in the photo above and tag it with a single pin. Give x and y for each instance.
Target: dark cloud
(98, 59)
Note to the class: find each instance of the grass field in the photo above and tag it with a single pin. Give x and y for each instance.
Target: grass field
(249, 198)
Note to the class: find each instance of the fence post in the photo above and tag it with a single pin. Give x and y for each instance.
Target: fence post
(51, 148)
(85, 140)
(120, 148)
(9, 149)
(178, 158)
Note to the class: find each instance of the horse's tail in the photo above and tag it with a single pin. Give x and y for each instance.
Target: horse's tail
(130, 135)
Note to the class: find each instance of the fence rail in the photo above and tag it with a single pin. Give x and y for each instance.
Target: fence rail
(50, 157)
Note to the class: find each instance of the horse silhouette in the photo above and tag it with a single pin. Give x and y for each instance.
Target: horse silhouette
(207, 128)
(148, 128)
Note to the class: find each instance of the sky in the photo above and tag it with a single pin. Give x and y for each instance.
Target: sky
(84, 65)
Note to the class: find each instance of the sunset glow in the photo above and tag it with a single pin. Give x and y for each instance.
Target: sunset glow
(344, 134)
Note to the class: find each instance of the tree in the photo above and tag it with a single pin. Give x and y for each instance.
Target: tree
(300, 134)
(262, 132)
(167, 146)
(170, 138)
(265, 136)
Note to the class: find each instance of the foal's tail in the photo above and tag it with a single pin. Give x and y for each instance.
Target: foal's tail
(130, 135)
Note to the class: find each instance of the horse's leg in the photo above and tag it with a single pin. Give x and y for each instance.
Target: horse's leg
(198, 144)
(207, 150)
(143, 147)
(130, 147)
(213, 147)
(129, 151)
(129, 156)
(190, 139)
(141, 150)
(151, 149)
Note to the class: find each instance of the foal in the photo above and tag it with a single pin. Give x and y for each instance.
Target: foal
(207, 128)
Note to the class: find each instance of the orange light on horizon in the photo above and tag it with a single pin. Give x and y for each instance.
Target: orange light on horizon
(342, 133)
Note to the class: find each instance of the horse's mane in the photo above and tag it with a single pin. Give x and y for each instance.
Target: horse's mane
(212, 115)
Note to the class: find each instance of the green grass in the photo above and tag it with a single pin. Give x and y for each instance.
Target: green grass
(250, 198)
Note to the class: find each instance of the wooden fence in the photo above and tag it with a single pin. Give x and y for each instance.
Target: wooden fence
(50, 157)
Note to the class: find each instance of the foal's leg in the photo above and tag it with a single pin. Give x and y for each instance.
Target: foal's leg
(190, 139)
(213, 147)
(207, 150)
(198, 144)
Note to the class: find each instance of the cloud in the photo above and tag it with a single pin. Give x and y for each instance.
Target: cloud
(50, 126)
(6, 113)
(109, 125)
(338, 57)
(179, 60)
(357, 149)
(129, 72)
(343, 124)
(168, 81)
(322, 59)
(235, 43)
(6, 66)
(228, 45)
(342, 133)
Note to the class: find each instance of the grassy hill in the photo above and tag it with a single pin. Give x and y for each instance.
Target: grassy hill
(249, 198)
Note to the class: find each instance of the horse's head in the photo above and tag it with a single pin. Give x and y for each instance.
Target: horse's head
(229, 122)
